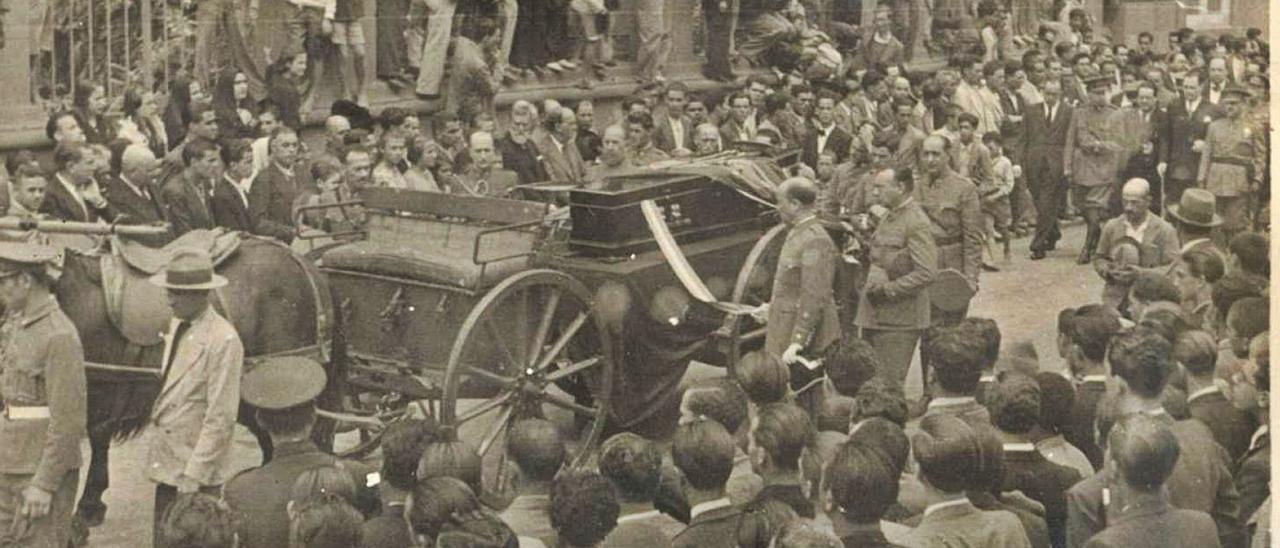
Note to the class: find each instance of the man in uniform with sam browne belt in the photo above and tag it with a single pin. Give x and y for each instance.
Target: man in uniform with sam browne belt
(42, 390)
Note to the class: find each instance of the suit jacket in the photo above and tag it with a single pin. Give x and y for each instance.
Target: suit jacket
(522, 159)
(258, 496)
(664, 138)
(562, 166)
(965, 525)
(271, 200)
(838, 142)
(1155, 523)
(1045, 482)
(1159, 245)
(717, 528)
(131, 207)
(194, 417)
(803, 310)
(1046, 142)
(1080, 430)
(60, 204)
(186, 206)
(1013, 131)
(1231, 427)
(903, 262)
(1253, 476)
(1182, 131)
(229, 208)
(1200, 481)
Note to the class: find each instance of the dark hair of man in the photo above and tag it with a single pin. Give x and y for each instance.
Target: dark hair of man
(676, 85)
(584, 508)
(348, 150)
(392, 117)
(763, 378)
(30, 170)
(66, 154)
(884, 437)
(198, 520)
(1090, 327)
(633, 465)
(324, 521)
(806, 534)
(850, 363)
(905, 179)
(283, 130)
(967, 117)
(756, 79)
(1251, 250)
(761, 521)
(333, 479)
(1205, 265)
(880, 399)
(51, 127)
(20, 158)
(436, 502)
(195, 150)
(402, 445)
(290, 421)
(1057, 397)
(1230, 289)
(1145, 451)
(703, 451)
(992, 67)
(871, 78)
(783, 430)
(835, 413)
(644, 119)
(1062, 48)
(863, 484)
(1248, 317)
(738, 95)
(1145, 34)
(956, 357)
(442, 119)
(1262, 377)
(1015, 403)
(930, 91)
(537, 448)
(454, 458)
(992, 138)
(775, 102)
(1167, 321)
(989, 331)
(720, 399)
(949, 453)
(1151, 287)
(234, 150)
(1197, 351)
(1141, 357)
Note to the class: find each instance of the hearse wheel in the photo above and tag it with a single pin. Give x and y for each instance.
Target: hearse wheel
(753, 287)
(531, 345)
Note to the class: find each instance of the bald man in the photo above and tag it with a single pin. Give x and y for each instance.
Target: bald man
(613, 155)
(802, 318)
(706, 140)
(132, 191)
(1155, 239)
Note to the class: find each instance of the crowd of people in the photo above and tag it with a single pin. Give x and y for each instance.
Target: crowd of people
(1151, 430)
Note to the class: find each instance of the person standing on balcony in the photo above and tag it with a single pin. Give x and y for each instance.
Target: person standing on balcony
(655, 40)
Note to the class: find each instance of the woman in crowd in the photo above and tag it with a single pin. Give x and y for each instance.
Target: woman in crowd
(141, 123)
(286, 85)
(234, 106)
(90, 102)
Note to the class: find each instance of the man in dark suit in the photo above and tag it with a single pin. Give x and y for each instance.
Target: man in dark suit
(1141, 365)
(672, 129)
(186, 197)
(1144, 451)
(1084, 334)
(519, 153)
(1248, 391)
(1046, 127)
(1187, 123)
(824, 134)
(1013, 130)
(274, 190)
(561, 160)
(230, 201)
(1197, 351)
(132, 193)
(718, 17)
(703, 451)
(69, 197)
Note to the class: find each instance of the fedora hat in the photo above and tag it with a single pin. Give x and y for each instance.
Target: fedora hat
(190, 269)
(1197, 207)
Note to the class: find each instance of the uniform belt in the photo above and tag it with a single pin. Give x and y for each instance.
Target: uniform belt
(20, 412)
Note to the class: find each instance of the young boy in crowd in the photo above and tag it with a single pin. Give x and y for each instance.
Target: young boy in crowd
(995, 192)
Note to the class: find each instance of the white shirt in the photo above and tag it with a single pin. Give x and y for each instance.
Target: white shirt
(1257, 436)
(1202, 392)
(1022, 447)
(677, 131)
(1215, 94)
(1193, 105)
(242, 188)
(704, 507)
(943, 402)
(823, 135)
(135, 188)
(75, 193)
(940, 505)
(1136, 232)
(1187, 246)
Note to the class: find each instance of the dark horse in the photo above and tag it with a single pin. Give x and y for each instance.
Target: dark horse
(278, 302)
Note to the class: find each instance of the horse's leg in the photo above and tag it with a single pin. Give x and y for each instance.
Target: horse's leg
(248, 417)
(91, 508)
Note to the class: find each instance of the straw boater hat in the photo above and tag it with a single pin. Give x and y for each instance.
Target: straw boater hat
(189, 269)
(1197, 207)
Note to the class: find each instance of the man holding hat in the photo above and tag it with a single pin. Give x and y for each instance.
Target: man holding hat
(1091, 159)
(1195, 217)
(1228, 163)
(284, 390)
(194, 416)
(1156, 241)
(43, 393)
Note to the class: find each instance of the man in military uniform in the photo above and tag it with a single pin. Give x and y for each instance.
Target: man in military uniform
(640, 138)
(284, 390)
(802, 318)
(951, 204)
(893, 308)
(1228, 165)
(1091, 159)
(43, 393)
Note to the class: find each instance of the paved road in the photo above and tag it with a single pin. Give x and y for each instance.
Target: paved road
(1024, 298)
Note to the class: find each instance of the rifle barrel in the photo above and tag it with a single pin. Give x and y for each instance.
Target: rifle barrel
(74, 227)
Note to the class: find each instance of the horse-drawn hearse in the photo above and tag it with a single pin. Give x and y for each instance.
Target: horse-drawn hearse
(588, 302)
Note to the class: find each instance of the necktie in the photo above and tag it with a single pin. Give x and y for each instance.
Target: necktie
(178, 333)
(1048, 110)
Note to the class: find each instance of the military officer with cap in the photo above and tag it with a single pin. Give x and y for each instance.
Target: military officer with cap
(193, 418)
(284, 390)
(1091, 159)
(42, 390)
(1228, 164)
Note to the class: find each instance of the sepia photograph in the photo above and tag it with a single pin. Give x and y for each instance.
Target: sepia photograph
(635, 273)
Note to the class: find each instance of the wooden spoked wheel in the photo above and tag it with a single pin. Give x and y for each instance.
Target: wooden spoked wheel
(754, 287)
(531, 347)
